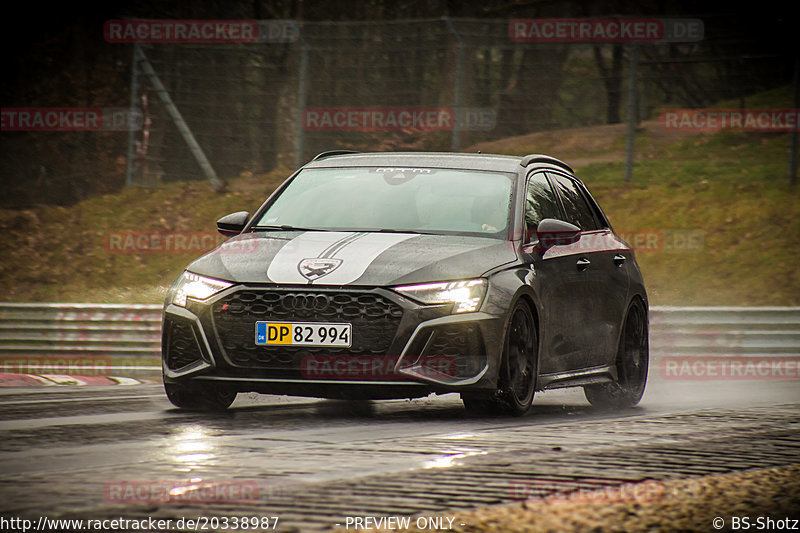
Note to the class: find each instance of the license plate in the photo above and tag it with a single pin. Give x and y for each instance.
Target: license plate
(303, 334)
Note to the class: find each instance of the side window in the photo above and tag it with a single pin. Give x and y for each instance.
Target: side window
(540, 202)
(599, 218)
(577, 210)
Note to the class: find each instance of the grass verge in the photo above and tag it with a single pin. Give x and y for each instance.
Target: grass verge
(725, 192)
(681, 505)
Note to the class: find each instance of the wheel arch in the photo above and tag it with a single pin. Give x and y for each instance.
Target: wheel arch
(641, 298)
(528, 298)
(507, 287)
(527, 295)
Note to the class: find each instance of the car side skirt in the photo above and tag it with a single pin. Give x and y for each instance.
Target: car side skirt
(589, 376)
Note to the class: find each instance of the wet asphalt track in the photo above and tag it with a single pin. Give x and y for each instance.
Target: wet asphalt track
(73, 451)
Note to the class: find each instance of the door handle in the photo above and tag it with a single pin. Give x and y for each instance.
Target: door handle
(583, 263)
(619, 259)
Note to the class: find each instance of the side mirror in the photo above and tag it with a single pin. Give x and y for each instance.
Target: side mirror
(553, 232)
(233, 224)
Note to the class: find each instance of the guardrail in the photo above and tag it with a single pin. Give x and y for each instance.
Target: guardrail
(767, 331)
(80, 329)
(132, 332)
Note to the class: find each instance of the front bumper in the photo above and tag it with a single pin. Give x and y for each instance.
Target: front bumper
(397, 343)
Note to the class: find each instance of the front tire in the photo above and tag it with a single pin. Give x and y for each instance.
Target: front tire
(195, 398)
(518, 371)
(632, 361)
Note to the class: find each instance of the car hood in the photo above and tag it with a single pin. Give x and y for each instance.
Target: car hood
(351, 258)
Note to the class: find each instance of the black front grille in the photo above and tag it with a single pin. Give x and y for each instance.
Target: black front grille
(374, 319)
(182, 347)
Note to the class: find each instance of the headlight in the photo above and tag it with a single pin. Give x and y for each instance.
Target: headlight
(196, 287)
(466, 295)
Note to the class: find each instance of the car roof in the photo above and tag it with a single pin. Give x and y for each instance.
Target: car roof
(466, 161)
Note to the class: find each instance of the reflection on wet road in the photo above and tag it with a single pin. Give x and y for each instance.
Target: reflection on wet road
(67, 450)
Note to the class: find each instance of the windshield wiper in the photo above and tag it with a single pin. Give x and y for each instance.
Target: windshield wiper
(414, 231)
(287, 227)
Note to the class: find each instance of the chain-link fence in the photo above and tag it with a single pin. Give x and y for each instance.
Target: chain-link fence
(435, 85)
(217, 109)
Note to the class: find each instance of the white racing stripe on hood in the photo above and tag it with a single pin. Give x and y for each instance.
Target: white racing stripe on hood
(329, 257)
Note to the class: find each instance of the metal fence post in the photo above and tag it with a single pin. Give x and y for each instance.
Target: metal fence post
(175, 114)
(632, 113)
(792, 174)
(302, 95)
(131, 169)
(459, 85)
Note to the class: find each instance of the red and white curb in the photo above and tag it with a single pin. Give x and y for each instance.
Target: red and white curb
(28, 380)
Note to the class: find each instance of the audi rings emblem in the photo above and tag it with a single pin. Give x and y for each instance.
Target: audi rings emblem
(305, 302)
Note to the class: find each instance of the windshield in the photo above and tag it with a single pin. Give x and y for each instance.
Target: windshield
(420, 200)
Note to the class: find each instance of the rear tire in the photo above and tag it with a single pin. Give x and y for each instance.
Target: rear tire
(194, 398)
(632, 361)
(518, 371)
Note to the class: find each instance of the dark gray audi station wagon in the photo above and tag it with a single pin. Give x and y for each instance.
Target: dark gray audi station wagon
(397, 275)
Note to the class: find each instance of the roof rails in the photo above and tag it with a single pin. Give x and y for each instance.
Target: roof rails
(331, 153)
(539, 158)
